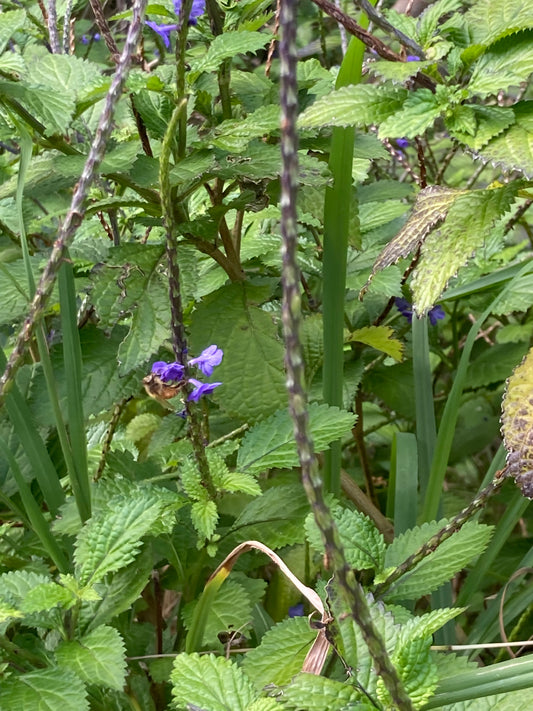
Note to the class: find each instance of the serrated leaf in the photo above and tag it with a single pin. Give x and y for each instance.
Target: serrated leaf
(517, 425)
(61, 73)
(354, 106)
(271, 442)
(316, 693)
(380, 338)
(489, 21)
(513, 149)
(11, 62)
(495, 364)
(469, 220)
(508, 63)
(441, 565)
(44, 690)
(373, 215)
(10, 22)
(228, 45)
(253, 352)
(397, 71)
(276, 518)
(364, 546)
(489, 122)
(46, 596)
(281, 653)
(233, 135)
(426, 625)
(239, 481)
(55, 111)
(204, 517)
(97, 658)
(111, 539)
(431, 207)
(210, 683)
(417, 113)
(429, 19)
(417, 670)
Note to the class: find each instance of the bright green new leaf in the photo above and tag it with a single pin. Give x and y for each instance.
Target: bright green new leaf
(508, 63)
(228, 45)
(44, 690)
(210, 682)
(418, 113)
(271, 443)
(46, 596)
(380, 338)
(417, 670)
(490, 121)
(97, 658)
(204, 517)
(513, 149)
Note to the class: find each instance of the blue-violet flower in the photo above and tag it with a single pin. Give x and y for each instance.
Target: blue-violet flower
(163, 31)
(198, 8)
(402, 143)
(201, 389)
(208, 359)
(413, 58)
(406, 309)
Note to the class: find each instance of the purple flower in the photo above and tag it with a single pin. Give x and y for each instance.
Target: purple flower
(163, 31)
(201, 389)
(85, 39)
(198, 9)
(402, 143)
(296, 610)
(208, 359)
(406, 309)
(413, 58)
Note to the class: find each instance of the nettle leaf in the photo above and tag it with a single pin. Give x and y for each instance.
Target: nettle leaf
(514, 149)
(253, 352)
(46, 596)
(271, 443)
(469, 219)
(517, 425)
(398, 71)
(430, 208)
(97, 658)
(10, 22)
(489, 122)
(489, 21)
(276, 518)
(426, 625)
(204, 517)
(507, 63)
(380, 338)
(210, 682)
(62, 73)
(438, 567)
(429, 19)
(364, 546)
(354, 106)
(281, 654)
(233, 135)
(44, 690)
(111, 539)
(316, 693)
(375, 214)
(495, 364)
(417, 670)
(54, 110)
(228, 45)
(417, 114)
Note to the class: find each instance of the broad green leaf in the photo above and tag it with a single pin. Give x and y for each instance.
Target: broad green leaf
(54, 110)
(517, 419)
(210, 683)
(438, 567)
(364, 546)
(513, 149)
(111, 539)
(233, 135)
(10, 22)
(61, 73)
(490, 121)
(253, 352)
(489, 21)
(495, 364)
(204, 516)
(46, 596)
(44, 690)
(228, 45)
(380, 338)
(17, 584)
(316, 693)
(429, 19)
(417, 113)
(354, 106)
(431, 207)
(417, 670)
(97, 658)
(271, 443)
(426, 625)
(375, 214)
(398, 71)
(12, 63)
(239, 482)
(281, 654)
(508, 63)
(464, 230)
(276, 518)
(264, 705)
(231, 610)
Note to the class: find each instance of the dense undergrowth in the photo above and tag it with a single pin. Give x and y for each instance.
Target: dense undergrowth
(177, 262)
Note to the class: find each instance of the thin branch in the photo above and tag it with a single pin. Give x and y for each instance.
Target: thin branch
(381, 22)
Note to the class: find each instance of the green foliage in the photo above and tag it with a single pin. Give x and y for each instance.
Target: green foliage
(44, 690)
(315, 693)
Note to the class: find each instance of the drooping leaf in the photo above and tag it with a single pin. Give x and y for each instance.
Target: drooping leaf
(44, 690)
(211, 683)
(97, 658)
(517, 416)
(281, 653)
(380, 338)
(271, 442)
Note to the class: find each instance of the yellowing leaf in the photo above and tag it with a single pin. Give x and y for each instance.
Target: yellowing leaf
(380, 338)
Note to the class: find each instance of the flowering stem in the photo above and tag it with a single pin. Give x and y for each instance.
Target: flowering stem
(351, 592)
(181, 46)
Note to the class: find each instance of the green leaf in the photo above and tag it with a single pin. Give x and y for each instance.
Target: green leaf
(495, 364)
(271, 443)
(98, 658)
(489, 122)
(354, 106)
(204, 517)
(233, 135)
(55, 111)
(508, 63)
(438, 567)
(316, 693)
(225, 46)
(380, 338)
(375, 214)
(417, 114)
(281, 654)
(239, 482)
(210, 683)
(364, 546)
(398, 71)
(513, 149)
(253, 352)
(517, 423)
(62, 73)
(417, 670)
(44, 690)
(489, 21)
(429, 19)
(46, 596)
(467, 224)
(426, 625)
(10, 22)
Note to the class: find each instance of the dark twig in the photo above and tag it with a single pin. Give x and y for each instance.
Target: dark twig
(53, 34)
(105, 30)
(380, 21)
(351, 593)
(77, 208)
